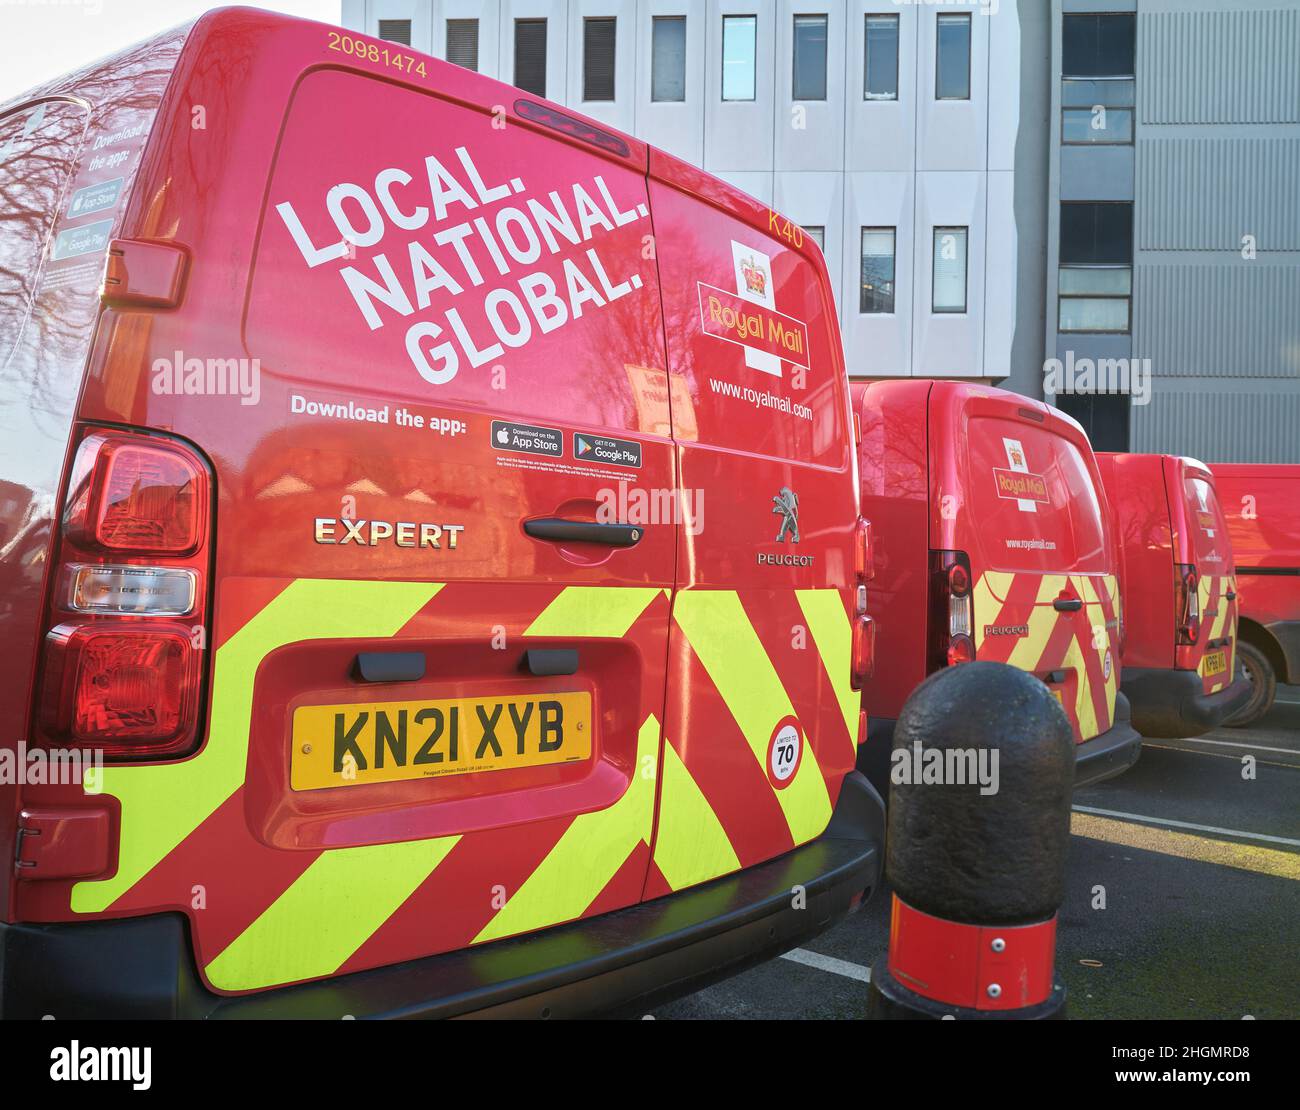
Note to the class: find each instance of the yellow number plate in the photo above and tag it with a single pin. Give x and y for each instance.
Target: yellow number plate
(344, 745)
(1216, 662)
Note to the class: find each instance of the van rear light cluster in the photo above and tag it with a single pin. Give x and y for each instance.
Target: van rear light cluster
(864, 628)
(952, 616)
(123, 664)
(1187, 603)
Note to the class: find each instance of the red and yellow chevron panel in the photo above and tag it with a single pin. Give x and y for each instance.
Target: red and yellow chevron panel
(282, 887)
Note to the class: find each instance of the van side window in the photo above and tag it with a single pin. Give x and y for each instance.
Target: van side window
(38, 151)
(414, 256)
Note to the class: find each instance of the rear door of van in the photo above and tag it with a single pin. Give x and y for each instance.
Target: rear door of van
(445, 541)
(762, 721)
(1046, 595)
(1201, 542)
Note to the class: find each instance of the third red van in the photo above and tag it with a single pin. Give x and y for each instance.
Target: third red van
(1262, 507)
(991, 540)
(1180, 594)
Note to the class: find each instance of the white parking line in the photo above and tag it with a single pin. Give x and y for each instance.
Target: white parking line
(828, 963)
(1187, 825)
(1233, 744)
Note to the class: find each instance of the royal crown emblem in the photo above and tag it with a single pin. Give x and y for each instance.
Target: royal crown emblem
(755, 278)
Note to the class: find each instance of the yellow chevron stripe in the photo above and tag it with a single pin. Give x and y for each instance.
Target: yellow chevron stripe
(832, 632)
(691, 846)
(715, 625)
(1028, 652)
(1097, 648)
(329, 912)
(605, 612)
(163, 804)
(587, 856)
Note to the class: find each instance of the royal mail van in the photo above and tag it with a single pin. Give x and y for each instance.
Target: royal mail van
(431, 549)
(990, 540)
(1262, 506)
(1179, 591)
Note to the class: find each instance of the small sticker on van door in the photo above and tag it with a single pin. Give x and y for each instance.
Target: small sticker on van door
(95, 198)
(754, 283)
(1019, 484)
(86, 239)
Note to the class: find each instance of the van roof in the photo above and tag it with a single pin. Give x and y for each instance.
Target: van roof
(457, 82)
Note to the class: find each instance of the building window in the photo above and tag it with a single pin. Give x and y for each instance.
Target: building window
(598, 40)
(668, 58)
(1097, 125)
(949, 282)
(877, 294)
(462, 43)
(809, 57)
(952, 58)
(530, 55)
(817, 234)
(1097, 85)
(1104, 416)
(1098, 45)
(1095, 280)
(739, 46)
(395, 30)
(880, 58)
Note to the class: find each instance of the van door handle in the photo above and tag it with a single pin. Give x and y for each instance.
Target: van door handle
(557, 529)
(1067, 604)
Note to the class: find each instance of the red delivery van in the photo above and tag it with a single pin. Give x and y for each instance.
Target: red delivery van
(431, 522)
(992, 541)
(1262, 505)
(1179, 591)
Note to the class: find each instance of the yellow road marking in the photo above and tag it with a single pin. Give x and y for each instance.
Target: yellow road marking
(1201, 849)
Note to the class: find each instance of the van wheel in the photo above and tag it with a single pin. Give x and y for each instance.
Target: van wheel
(1263, 685)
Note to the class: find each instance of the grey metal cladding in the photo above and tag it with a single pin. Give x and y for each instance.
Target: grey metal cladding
(1233, 66)
(1216, 426)
(1206, 193)
(1234, 318)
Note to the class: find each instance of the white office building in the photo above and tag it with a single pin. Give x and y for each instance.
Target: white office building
(893, 131)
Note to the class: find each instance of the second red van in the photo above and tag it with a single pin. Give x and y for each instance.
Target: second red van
(991, 540)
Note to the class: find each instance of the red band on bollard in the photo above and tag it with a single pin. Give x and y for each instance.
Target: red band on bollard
(980, 967)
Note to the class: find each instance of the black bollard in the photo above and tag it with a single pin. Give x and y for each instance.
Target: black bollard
(978, 874)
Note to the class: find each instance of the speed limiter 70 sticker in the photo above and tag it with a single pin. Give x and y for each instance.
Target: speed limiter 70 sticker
(784, 752)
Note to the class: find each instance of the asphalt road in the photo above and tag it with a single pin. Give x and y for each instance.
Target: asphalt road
(1199, 864)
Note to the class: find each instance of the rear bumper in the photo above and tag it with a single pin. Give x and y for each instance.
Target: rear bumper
(618, 962)
(1169, 703)
(1111, 753)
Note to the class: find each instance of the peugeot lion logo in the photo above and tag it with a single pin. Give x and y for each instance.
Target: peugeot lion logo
(787, 504)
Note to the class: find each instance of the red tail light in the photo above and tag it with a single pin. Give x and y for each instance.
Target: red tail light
(134, 494)
(1187, 603)
(863, 663)
(864, 554)
(952, 617)
(123, 667)
(864, 650)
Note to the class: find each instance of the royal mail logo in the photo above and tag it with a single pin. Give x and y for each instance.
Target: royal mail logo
(1018, 485)
(1016, 455)
(755, 277)
(759, 329)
